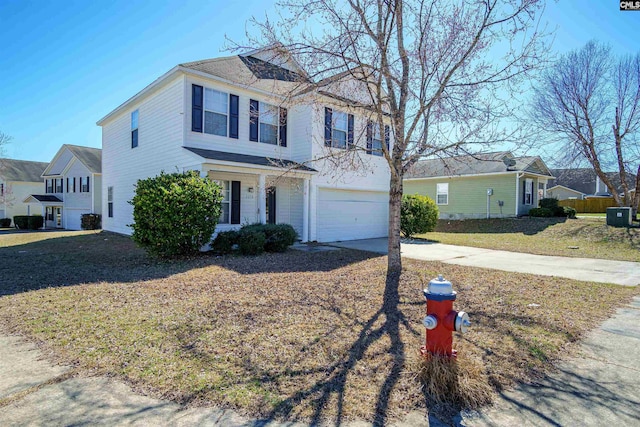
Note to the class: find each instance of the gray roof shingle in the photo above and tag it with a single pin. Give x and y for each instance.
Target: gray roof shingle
(482, 163)
(89, 156)
(22, 170)
(252, 160)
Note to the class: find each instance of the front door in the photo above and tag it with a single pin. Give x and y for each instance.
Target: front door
(271, 205)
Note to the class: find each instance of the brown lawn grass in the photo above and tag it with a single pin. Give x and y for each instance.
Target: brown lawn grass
(582, 237)
(293, 335)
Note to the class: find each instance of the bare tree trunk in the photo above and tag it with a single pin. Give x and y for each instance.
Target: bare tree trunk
(635, 200)
(394, 263)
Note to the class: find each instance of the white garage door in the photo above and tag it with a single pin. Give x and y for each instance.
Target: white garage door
(350, 215)
(73, 217)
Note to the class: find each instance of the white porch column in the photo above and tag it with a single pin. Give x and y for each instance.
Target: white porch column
(44, 215)
(544, 189)
(313, 197)
(262, 198)
(305, 211)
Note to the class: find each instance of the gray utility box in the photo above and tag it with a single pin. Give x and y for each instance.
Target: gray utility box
(619, 217)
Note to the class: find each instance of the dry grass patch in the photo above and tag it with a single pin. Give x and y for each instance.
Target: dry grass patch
(582, 237)
(294, 335)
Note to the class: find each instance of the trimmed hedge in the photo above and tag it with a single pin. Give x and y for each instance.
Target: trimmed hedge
(253, 239)
(5, 222)
(25, 222)
(541, 212)
(90, 221)
(569, 212)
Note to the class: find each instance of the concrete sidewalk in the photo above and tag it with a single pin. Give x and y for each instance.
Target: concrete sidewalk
(585, 269)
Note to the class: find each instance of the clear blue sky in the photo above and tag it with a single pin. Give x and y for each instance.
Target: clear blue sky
(64, 64)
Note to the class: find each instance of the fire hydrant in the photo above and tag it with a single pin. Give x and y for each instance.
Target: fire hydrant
(442, 319)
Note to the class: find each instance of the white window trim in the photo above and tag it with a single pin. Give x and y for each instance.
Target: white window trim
(439, 193)
(345, 130)
(277, 125)
(221, 183)
(528, 191)
(227, 114)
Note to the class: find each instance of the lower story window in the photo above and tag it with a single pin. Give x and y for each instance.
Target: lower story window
(110, 202)
(225, 215)
(442, 193)
(528, 192)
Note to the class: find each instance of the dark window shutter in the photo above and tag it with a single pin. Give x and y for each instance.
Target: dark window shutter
(87, 184)
(328, 113)
(74, 184)
(67, 184)
(235, 202)
(197, 103)
(282, 134)
(387, 136)
(134, 138)
(369, 137)
(234, 102)
(46, 186)
(524, 191)
(350, 143)
(254, 117)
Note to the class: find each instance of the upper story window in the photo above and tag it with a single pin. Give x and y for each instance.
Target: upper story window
(214, 112)
(48, 186)
(338, 129)
(442, 193)
(84, 184)
(59, 185)
(267, 123)
(375, 138)
(134, 129)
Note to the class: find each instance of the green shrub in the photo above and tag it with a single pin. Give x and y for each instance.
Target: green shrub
(251, 241)
(35, 222)
(5, 222)
(175, 214)
(21, 222)
(225, 241)
(418, 214)
(569, 212)
(541, 212)
(90, 221)
(551, 203)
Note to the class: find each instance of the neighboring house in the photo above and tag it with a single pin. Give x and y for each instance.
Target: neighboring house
(233, 120)
(586, 182)
(561, 192)
(18, 179)
(72, 187)
(480, 186)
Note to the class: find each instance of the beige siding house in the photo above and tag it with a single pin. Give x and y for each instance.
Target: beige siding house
(486, 185)
(19, 179)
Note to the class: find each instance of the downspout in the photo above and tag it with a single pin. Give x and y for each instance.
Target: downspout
(518, 176)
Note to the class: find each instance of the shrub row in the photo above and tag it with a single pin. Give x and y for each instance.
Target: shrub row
(26, 222)
(253, 239)
(549, 207)
(90, 221)
(5, 222)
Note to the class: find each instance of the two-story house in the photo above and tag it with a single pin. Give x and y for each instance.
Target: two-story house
(19, 179)
(284, 150)
(72, 187)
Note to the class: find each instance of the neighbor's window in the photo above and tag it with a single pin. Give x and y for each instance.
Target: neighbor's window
(134, 129)
(110, 202)
(216, 110)
(225, 215)
(442, 193)
(528, 192)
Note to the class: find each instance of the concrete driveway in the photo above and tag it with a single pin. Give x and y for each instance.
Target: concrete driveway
(623, 273)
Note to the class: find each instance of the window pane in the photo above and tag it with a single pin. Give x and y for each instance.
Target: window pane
(339, 138)
(268, 133)
(376, 147)
(340, 121)
(268, 114)
(134, 120)
(215, 124)
(216, 101)
(442, 199)
(224, 215)
(376, 131)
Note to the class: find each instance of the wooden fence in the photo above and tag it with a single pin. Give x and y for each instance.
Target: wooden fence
(592, 205)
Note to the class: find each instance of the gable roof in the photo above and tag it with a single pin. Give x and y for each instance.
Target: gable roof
(22, 170)
(565, 188)
(477, 164)
(250, 71)
(90, 157)
(584, 180)
(247, 159)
